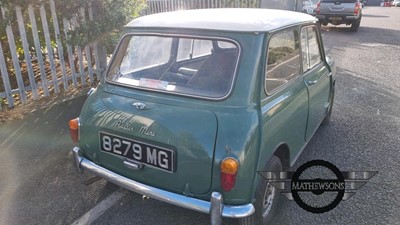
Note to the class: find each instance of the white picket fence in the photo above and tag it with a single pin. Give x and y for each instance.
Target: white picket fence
(157, 6)
(61, 75)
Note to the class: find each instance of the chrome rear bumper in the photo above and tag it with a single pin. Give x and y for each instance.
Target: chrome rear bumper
(215, 207)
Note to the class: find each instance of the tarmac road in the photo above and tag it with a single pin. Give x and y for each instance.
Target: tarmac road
(38, 184)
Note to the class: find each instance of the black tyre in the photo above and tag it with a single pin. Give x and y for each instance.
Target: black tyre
(355, 25)
(267, 197)
(319, 24)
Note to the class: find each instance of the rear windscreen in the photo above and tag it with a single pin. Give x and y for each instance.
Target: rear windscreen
(179, 65)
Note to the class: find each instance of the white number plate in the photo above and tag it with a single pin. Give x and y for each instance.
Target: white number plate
(158, 157)
(335, 18)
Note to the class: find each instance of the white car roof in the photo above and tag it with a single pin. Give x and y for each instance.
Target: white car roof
(225, 19)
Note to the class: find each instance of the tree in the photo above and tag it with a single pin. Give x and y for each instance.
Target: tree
(109, 17)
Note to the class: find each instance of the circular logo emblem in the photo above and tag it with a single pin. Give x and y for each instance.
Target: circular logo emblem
(304, 190)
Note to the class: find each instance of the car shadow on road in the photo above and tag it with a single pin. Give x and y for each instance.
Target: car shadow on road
(375, 16)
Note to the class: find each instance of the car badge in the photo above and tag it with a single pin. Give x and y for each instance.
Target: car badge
(139, 105)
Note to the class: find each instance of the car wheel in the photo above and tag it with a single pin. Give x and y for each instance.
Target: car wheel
(267, 197)
(355, 25)
(327, 118)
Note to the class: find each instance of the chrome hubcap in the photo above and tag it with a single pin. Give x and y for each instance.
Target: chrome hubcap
(268, 199)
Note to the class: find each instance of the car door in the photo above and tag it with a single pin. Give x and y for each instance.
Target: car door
(285, 105)
(316, 78)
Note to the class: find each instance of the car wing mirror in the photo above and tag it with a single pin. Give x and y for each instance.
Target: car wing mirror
(329, 60)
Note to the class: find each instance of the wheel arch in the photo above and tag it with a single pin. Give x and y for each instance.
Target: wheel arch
(283, 153)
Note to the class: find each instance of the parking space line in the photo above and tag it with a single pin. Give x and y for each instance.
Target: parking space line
(100, 208)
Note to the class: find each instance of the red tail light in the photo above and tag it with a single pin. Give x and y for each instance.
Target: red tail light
(228, 168)
(74, 129)
(356, 8)
(318, 8)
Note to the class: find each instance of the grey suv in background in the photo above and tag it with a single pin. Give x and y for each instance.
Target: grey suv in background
(338, 12)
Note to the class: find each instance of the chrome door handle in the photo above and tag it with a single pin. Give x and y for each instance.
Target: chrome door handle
(312, 82)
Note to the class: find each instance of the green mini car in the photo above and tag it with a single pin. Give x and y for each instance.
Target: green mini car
(195, 102)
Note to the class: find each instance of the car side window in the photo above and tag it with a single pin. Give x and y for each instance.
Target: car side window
(283, 60)
(310, 48)
(193, 48)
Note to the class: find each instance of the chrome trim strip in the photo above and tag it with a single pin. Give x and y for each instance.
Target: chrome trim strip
(216, 207)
